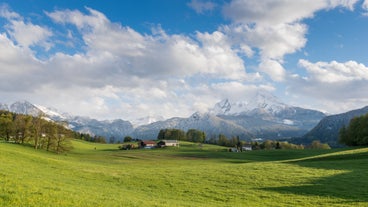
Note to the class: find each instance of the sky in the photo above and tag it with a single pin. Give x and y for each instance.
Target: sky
(170, 58)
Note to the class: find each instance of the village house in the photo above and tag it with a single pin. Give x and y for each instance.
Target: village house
(147, 144)
(168, 143)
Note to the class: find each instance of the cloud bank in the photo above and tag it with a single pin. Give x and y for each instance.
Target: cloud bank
(109, 70)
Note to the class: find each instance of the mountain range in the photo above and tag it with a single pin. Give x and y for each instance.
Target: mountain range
(262, 116)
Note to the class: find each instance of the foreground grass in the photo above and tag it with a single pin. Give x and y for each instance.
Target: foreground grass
(101, 175)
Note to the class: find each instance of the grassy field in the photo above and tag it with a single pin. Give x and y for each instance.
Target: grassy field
(102, 175)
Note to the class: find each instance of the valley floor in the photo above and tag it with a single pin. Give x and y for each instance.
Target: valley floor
(192, 175)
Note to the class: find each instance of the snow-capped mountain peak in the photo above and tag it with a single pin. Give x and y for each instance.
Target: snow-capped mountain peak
(261, 101)
(49, 111)
(25, 107)
(146, 120)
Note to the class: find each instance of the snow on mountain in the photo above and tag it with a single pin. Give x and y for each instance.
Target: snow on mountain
(4, 107)
(110, 129)
(146, 120)
(116, 129)
(261, 102)
(25, 107)
(53, 113)
(264, 115)
(212, 125)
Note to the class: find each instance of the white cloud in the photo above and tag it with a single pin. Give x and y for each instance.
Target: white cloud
(274, 28)
(274, 69)
(334, 86)
(271, 12)
(20, 71)
(121, 67)
(25, 34)
(335, 72)
(122, 73)
(202, 6)
(6, 13)
(365, 4)
(365, 7)
(130, 53)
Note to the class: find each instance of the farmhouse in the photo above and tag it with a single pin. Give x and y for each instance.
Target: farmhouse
(168, 143)
(147, 144)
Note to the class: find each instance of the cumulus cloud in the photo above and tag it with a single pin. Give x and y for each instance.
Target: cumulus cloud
(202, 6)
(333, 85)
(20, 71)
(271, 12)
(122, 73)
(335, 72)
(139, 71)
(136, 54)
(275, 28)
(24, 33)
(365, 7)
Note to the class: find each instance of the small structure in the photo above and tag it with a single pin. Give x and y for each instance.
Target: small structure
(247, 147)
(168, 143)
(147, 144)
(233, 149)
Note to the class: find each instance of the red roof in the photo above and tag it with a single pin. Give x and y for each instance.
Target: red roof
(149, 142)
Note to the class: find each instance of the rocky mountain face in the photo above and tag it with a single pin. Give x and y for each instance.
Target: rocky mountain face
(327, 130)
(263, 116)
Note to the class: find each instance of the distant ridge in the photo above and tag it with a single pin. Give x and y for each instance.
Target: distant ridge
(327, 130)
(110, 129)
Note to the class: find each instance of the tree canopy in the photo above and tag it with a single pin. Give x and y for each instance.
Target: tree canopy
(356, 133)
(36, 131)
(176, 134)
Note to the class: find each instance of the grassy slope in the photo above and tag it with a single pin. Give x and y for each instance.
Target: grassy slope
(188, 176)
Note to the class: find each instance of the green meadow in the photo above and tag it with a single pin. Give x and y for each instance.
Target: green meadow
(191, 175)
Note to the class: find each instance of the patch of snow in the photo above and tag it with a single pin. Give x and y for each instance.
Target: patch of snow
(146, 120)
(262, 101)
(288, 122)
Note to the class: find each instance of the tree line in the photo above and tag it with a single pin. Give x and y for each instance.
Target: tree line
(356, 133)
(194, 135)
(89, 138)
(35, 131)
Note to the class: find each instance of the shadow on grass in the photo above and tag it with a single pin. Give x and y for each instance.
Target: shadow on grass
(350, 185)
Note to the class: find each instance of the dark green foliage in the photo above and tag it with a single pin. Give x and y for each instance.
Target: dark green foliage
(194, 135)
(272, 144)
(172, 134)
(356, 134)
(6, 125)
(128, 139)
(35, 131)
(87, 137)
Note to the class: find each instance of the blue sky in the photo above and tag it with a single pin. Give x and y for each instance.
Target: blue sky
(131, 59)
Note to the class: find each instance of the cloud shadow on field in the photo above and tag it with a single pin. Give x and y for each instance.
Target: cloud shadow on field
(350, 185)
